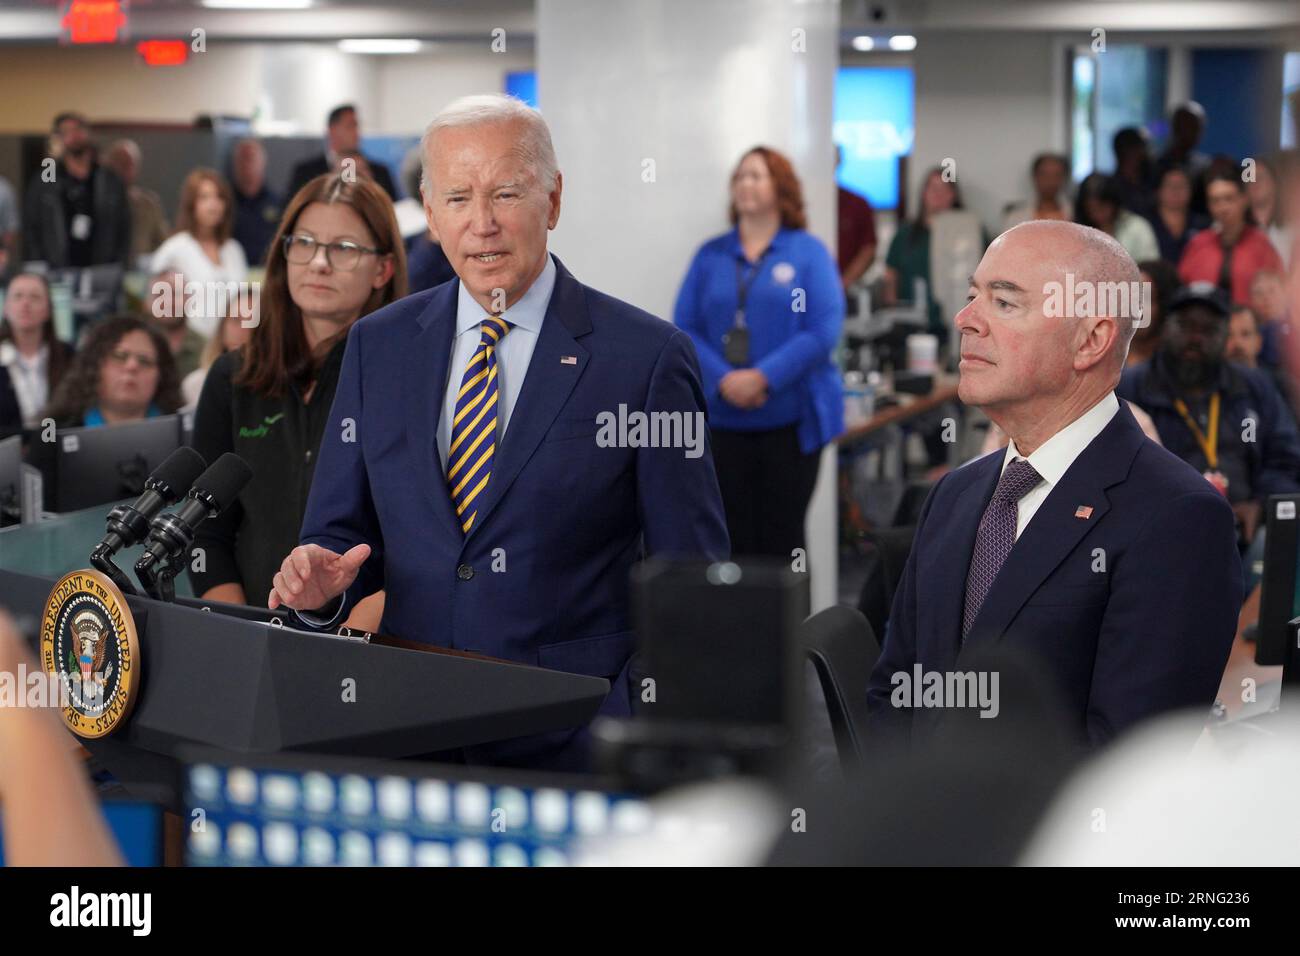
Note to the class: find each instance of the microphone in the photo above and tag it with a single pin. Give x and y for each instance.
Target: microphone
(172, 533)
(129, 524)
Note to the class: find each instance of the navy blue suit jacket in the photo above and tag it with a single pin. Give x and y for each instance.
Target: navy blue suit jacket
(1151, 632)
(542, 576)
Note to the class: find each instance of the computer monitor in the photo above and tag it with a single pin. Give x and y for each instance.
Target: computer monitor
(1279, 599)
(316, 810)
(137, 828)
(698, 621)
(99, 465)
(11, 457)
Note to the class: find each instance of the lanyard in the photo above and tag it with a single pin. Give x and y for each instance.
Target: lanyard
(1208, 442)
(744, 279)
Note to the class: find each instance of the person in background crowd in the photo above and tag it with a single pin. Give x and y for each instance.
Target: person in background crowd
(1051, 174)
(1243, 347)
(857, 232)
(148, 221)
(1244, 339)
(32, 358)
(83, 216)
(1163, 279)
(231, 335)
(1186, 125)
(342, 135)
(164, 307)
(1230, 254)
(426, 263)
(336, 257)
(1100, 205)
(123, 372)
(257, 208)
(9, 223)
(1134, 170)
(1266, 209)
(908, 258)
(774, 394)
(1268, 301)
(1227, 421)
(202, 249)
(1172, 220)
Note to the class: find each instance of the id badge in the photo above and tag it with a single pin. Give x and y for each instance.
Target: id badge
(80, 227)
(735, 347)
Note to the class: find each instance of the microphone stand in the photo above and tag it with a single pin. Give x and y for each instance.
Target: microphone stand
(159, 580)
(101, 560)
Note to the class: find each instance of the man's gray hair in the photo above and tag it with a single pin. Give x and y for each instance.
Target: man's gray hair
(484, 108)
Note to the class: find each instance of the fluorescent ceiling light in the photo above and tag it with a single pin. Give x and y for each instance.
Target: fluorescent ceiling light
(863, 43)
(379, 46)
(257, 4)
(902, 42)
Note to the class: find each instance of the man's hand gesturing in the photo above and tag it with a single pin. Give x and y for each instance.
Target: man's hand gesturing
(312, 576)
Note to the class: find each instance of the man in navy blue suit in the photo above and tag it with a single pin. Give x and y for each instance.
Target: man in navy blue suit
(469, 468)
(1086, 547)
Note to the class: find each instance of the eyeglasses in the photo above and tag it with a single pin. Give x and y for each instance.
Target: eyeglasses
(122, 356)
(343, 255)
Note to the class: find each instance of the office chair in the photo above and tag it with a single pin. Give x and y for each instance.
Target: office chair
(887, 553)
(843, 650)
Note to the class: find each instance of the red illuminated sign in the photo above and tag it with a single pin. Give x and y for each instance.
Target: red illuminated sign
(163, 52)
(94, 21)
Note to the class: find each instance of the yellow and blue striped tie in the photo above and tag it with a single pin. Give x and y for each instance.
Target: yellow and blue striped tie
(474, 426)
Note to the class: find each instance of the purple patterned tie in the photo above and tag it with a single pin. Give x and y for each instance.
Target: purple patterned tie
(996, 535)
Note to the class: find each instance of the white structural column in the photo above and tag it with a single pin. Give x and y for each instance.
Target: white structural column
(651, 104)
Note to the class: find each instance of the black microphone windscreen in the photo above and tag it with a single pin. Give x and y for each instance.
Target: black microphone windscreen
(180, 469)
(225, 479)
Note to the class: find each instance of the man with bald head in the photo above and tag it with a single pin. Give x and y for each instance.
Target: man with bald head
(1084, 547)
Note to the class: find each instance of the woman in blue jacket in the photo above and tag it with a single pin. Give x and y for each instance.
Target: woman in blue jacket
(764, 307)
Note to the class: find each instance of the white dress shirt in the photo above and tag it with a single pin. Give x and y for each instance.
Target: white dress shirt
(30, 380)
(182, 253)
(513, 354)
(1054, 457)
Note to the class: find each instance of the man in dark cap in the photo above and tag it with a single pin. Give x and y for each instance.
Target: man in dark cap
(1224, 419)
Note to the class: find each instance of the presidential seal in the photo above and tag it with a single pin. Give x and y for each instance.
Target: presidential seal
(88, 641)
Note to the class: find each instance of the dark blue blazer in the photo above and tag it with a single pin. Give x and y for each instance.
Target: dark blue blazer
(542, 576)
(1128, 612)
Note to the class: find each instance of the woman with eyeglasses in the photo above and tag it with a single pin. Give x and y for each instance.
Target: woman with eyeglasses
(337, 256)
(124, 372)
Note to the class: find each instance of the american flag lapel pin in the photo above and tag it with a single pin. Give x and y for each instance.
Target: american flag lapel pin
(568, 360)
(1083, 511)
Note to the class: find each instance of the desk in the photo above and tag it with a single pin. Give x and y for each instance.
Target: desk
(910, 406)
(56, 546)
(1241, 665)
